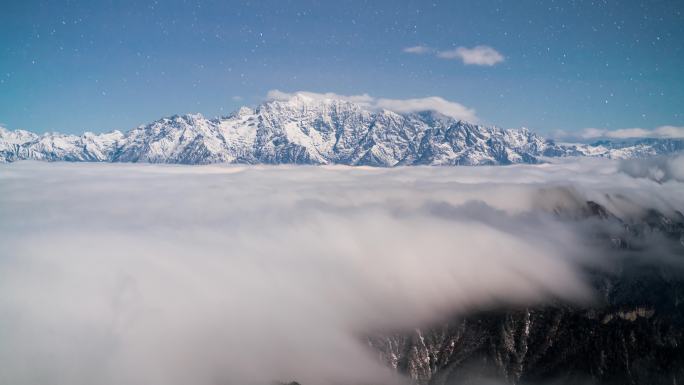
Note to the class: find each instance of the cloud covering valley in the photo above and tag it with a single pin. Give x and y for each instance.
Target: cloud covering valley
(148, 274)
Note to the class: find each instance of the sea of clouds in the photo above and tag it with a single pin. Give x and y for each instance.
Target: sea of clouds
(173, 275)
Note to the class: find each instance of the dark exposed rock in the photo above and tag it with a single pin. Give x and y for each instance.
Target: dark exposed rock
(632, 334)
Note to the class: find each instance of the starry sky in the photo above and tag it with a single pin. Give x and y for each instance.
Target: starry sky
(72, 66)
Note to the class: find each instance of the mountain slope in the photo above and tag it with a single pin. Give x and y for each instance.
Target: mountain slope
(304, 130)
(630, 334)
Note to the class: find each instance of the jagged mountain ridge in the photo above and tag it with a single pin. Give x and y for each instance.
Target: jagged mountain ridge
(304, 130)
(631, 333)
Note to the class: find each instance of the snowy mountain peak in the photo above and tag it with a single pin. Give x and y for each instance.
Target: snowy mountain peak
(16, 136)
(242, 111)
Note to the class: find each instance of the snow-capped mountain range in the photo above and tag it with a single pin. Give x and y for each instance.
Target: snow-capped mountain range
(305, 130)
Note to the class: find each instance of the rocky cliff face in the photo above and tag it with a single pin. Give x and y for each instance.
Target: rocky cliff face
(633, 334)
(302, 130)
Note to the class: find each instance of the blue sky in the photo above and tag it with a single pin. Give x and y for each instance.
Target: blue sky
(72, 66)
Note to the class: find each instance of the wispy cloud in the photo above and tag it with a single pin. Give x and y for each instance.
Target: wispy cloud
(417, 49)
(362, 99)
(431, 103)
(671, 132)
(480, 55)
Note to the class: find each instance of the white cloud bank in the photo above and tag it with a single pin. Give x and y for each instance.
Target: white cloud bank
(174, 275)
(434, 103)
(431, 103)
(480, 55)
(665, 132)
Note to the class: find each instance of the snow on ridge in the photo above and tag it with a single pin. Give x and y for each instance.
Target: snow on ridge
(312, 129)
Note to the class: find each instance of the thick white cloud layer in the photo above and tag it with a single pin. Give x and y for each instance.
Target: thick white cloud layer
(659, 169)
(146, 274)
(431, 103)
(481, 55)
